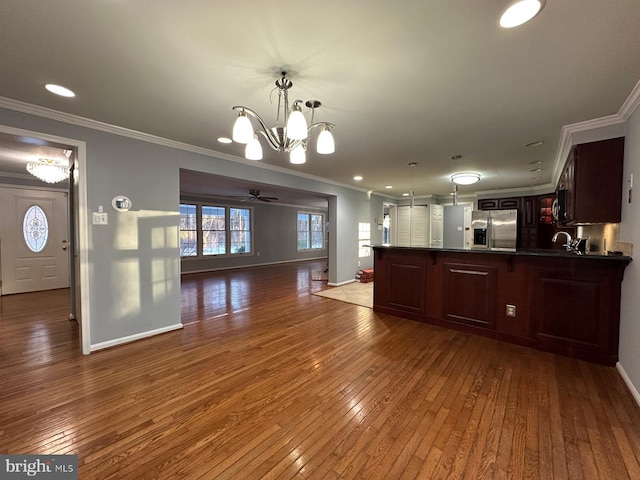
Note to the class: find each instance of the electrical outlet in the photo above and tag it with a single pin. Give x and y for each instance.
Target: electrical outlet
(511, 310)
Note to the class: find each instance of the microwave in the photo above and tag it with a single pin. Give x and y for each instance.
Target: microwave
(559, 207)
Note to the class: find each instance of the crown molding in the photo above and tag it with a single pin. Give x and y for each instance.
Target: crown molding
(626, 110)
(631, 103)
(569, 130)
(71, 119)
(544, 188)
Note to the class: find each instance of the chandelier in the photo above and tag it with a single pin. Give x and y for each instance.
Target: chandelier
(291, 133)
(48, 170)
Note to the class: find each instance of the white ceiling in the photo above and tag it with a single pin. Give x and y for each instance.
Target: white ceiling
(411, 81)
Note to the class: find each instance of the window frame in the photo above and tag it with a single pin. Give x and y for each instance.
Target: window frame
(309, 231)
(180, 229)
(200, 232)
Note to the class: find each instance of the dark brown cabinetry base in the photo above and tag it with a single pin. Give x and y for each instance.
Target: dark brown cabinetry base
(560, 303)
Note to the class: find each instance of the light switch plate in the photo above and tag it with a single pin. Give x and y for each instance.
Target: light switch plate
(511, 310)
(100, 218)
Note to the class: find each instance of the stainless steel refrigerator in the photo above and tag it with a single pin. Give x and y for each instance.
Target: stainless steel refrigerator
(494, 229)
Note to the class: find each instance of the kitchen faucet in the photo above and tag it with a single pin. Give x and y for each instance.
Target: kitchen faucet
(572, 246)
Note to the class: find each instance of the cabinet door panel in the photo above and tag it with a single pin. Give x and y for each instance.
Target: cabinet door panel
(469, 294)
(488, 204)
(509, 203)
(573, 311)
(406, 288)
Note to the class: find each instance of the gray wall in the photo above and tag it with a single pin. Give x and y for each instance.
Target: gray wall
(630, 232)
(274, 237)
(133, 270)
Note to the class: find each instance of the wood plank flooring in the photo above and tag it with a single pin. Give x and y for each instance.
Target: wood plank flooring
(267, 381)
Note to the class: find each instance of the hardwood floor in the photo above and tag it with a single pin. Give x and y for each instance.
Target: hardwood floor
(267, 381)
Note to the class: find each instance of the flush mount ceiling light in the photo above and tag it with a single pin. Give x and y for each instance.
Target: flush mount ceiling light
(465, 178)
(519, 12)
(48, 170)
(291, 133)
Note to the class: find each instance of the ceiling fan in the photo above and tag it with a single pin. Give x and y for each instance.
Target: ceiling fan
(255, 195)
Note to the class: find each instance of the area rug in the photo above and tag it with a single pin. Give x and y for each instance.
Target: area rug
(356, 292)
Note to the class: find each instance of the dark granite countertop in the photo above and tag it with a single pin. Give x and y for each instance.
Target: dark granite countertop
(529, 253)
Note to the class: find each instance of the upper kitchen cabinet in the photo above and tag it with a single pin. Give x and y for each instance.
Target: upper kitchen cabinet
(590, 187)
(499, 203)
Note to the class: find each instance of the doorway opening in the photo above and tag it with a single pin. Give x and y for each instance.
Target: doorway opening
(59, 209)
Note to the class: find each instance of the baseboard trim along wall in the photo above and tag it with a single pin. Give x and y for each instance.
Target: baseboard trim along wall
(132, 338)
(627, 381)
(329, 284)
(265, 264)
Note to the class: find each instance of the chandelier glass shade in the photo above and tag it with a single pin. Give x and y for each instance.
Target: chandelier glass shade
(291, 133)
(48, 170)
(465, 178)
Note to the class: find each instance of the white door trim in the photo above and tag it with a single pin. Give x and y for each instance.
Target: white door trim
(80, 184)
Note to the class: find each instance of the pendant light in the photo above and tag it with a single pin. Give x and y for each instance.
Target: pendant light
(411, 192)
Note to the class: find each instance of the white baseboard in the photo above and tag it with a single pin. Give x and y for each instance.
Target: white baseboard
(627, 381)
(329, 284)
(237, 267)
(132, 338)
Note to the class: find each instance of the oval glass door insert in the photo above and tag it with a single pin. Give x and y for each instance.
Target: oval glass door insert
(35, 229)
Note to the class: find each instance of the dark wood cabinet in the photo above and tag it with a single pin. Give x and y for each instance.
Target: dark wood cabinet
(590, 187)
(468, 290)
(529, 211)
(488, 204)
(570, 309)
(402, 280)
(545, 209)
(562, 303)
(506, 203)
(527, 214)
(499, 203)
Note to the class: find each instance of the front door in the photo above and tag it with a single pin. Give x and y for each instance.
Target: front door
(34, 249)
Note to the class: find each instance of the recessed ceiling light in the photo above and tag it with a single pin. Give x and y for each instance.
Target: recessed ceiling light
(59, 90)
(519, 12)
(536, 162)
(405, 194)
(534, 144)
(388, 186)
(357, 178)
(456, 157)
(535, 170)
(224, 140)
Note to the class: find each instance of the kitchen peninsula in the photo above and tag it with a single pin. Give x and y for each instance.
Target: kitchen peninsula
(550, 300)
